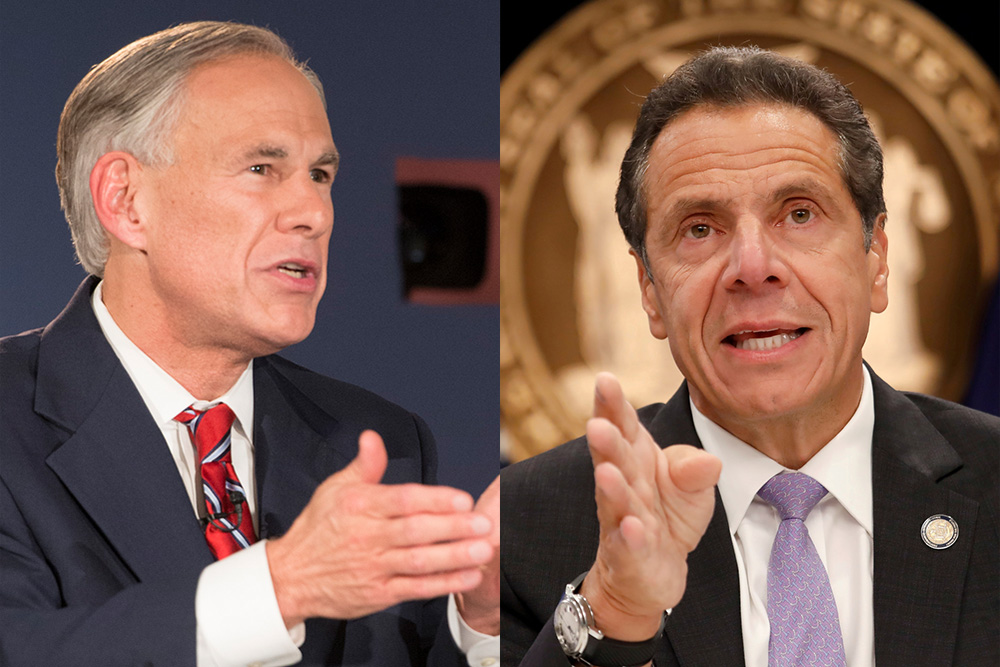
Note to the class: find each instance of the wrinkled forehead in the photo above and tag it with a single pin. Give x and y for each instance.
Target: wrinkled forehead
(732, 139)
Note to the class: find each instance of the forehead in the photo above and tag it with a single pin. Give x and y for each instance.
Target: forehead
(251, 94)
(708, 149)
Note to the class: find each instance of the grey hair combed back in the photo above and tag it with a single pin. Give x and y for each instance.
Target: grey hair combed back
(738, 76)
(130, 102)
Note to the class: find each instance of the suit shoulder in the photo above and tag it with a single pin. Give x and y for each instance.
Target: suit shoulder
(20, 345)
(566, 464)
(328, 393)
(19, 362)
(975, 437)
(958, 422)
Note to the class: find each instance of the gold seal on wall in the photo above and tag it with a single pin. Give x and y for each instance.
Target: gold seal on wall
(570, 302)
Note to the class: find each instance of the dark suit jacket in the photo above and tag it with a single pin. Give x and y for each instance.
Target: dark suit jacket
(931, 607)
(100, 550)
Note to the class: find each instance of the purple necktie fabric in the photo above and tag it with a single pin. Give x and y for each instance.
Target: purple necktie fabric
(805, 628)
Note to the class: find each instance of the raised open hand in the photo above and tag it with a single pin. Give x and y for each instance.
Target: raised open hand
(653, 506)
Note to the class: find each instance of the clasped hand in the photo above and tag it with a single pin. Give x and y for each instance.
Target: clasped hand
(653, 506)
(360, 546)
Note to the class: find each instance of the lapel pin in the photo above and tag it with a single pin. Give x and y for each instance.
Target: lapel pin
(939, 531)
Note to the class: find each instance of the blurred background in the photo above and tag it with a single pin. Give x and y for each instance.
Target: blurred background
(412, 90)
(574, 75)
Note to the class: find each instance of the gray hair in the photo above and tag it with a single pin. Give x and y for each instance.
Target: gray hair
(739, 76)
(131, 103)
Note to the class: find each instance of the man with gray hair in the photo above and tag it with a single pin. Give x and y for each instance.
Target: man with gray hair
(172, 492)
(851, 524)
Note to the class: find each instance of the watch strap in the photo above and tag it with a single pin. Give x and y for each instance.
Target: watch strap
(608, 652)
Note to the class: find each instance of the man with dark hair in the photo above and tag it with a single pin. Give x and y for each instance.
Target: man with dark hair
(171, 492)
(851, 524)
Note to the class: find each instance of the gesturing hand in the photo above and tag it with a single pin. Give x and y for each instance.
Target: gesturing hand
(359, 546)
(653, 506)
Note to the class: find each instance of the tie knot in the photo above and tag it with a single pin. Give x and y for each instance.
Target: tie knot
(792, 494)
(209, 430)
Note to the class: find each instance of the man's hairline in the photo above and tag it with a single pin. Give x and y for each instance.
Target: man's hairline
(173, 107)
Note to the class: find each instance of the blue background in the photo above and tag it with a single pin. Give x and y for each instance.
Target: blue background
(402, 78)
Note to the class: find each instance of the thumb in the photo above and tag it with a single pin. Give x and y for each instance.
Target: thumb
(691, 469)
(370, 463)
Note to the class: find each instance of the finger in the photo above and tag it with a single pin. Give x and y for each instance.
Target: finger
(692, 469)
(489, 505)
(398, 500)
(370, 463)
(633, 533)
(615, 499)
(423, 587)
(607, 445)
(490, 498)
(610, 403)
(432, 528)
(438, 558)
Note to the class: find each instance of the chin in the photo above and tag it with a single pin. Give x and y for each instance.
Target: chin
(280, 336)
(753, 399)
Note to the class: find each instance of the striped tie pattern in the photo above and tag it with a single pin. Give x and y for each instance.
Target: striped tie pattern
(230, 526)
(805, 627)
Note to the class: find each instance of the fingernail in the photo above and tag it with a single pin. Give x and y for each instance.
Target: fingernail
(480, 552)
(597, 394)
(461, 503)
(481, 525)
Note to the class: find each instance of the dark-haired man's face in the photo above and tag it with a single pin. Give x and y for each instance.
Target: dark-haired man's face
(758, 274)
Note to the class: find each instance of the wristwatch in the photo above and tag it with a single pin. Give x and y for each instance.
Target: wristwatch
(580, 640)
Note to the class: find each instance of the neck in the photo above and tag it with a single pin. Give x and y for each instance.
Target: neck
(791, 439)
(205, 371)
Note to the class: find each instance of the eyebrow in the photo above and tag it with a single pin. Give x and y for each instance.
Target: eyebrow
(329, 158)
(268, 151)
(686, 206)
(800, 188)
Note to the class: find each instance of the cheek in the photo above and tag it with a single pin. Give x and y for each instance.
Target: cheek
(687, 300)
(840, 287)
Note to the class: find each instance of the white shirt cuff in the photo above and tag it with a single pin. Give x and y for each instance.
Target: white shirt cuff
(480, 650)
(237, 615)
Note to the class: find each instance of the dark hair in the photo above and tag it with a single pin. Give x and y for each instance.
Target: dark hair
(738, 76)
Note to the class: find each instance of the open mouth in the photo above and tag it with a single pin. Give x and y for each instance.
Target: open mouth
(294, 270)
(758, 341)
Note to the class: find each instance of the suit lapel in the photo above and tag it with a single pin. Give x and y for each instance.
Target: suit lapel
(917, 590)
(705, 627)
(119, 469)
(295, 448)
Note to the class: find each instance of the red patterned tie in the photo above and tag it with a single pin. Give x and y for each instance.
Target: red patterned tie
(230, 526)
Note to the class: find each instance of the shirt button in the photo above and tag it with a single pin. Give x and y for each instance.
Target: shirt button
(488, 662)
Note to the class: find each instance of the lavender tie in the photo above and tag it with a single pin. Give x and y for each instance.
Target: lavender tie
(805, 628)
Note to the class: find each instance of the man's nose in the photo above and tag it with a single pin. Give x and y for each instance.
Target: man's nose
(306, 207)
(754, 262)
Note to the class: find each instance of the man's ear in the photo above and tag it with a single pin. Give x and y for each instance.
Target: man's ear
(878, 266)
(650, 302)
(114, 181)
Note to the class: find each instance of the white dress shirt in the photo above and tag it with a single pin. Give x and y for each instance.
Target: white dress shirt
(840, 526)
(238, 621)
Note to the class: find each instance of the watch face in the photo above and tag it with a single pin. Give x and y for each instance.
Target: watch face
(569, 626)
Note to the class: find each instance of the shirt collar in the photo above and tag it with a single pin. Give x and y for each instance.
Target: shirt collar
(843, 465)
(163, 395)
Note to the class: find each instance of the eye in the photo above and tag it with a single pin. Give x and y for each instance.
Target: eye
(320, 175)
(261, 169)
(800, 216)
(699, 231)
